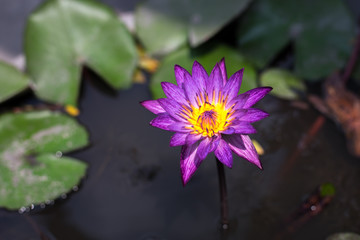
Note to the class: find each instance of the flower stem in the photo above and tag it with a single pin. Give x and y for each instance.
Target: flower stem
(223, 195)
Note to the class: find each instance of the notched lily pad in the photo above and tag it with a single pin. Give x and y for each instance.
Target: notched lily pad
(165, 25)
(12, 81)
(32, 169)
(185, 58)
(63, 35)
(322, 31)
(285, 84)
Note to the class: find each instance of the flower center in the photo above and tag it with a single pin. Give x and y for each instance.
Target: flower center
(208, 119)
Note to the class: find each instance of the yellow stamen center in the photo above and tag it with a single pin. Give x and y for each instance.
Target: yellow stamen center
(209, 118)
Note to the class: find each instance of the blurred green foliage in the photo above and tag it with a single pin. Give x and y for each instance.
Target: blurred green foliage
(32, 169)
(64, 35)
(185, 57)
(12, 81)
(285, 84)
(165, 25)
(321, 32)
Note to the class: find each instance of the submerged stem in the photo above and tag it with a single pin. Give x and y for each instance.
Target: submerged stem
(223, 195)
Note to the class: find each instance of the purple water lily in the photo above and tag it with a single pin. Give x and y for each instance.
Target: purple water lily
(207, 115)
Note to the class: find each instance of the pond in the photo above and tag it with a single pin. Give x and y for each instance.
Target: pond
(133, 188)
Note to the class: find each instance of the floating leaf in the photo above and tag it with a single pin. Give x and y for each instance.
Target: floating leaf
(285, 84)
(32, 170)
(323, 31)
(63, 35)
(165, 25)
(185, 58)
(12, 81)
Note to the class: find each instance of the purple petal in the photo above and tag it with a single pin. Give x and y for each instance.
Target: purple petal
(215, 84)
(239, 114)
(178, 139)
(153, 106)
(253, 115)
(232, 86)
(192, 138)
(204, 148)
(242, 146)
(229, 130)
(255, 95)
(199, 76)
(172, 107)
(181, 75)
(181, 127)
(223, 153)
(223, 71)
(214, 143)
(189, 162)
(174, 92)
(163, 121)
(243, 127)
(238, 102)
(191, 91)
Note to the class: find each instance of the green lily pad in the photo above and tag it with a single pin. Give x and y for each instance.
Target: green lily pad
(285, 84)
(165, 25)
(32, 170)
(322, 32)
(186, 57)
(63, 35)
(12, 81)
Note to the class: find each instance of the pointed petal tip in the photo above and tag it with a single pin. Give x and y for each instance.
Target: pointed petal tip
(196, 63)
(228, 164)
(185, 177)
(268, 89)
(256, 162)
(256, 95)
(179, 68)
(223, 70)
(241, 72)
(143, 103)
(153, 106)
(184, 180)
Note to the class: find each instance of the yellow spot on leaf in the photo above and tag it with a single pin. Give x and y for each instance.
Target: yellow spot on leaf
(72, 111)
(139, 77)
(146, 62)
(258, 147)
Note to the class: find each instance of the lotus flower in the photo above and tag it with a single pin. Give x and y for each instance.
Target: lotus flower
(207, 115)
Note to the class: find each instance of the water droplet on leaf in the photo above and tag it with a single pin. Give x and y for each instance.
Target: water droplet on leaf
(22, 210)
(58, 154)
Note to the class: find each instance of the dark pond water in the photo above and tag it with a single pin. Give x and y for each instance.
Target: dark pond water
(133, 187)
